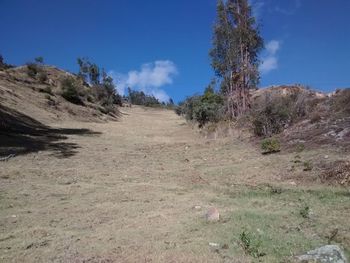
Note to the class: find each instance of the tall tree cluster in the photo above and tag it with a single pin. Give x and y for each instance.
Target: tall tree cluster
(236, 45)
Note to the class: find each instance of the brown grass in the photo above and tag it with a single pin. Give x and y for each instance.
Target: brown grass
(127, 195)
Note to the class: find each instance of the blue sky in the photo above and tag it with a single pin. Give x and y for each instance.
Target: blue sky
(162, 46)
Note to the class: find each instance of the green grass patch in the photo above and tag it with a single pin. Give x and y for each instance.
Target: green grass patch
(270, 224)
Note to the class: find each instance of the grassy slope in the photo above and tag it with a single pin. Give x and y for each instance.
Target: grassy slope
(127, 195)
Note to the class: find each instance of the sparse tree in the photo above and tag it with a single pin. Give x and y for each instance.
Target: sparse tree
(236, 44)
(83, 68)
(94, 74)
(2, 64)
(89, 70)
(39, 60)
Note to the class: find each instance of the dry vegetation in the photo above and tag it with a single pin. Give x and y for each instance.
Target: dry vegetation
(128, 190)
(80, 188)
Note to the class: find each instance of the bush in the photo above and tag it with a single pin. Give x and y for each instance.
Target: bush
(42, 76)
(202, 108)
(340, 102)
(272, 113)
(270, 145)
(307, 166)
(251, 245)
(33, 69)
(47, 90)
(140, 98)
(70, 90)
(305, 211)
(3, 64)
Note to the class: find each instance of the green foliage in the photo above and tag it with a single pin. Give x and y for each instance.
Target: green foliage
(307, 166)
(202, 108)
(83, 68)
(3, 64)
(236, 45)
(36, 70)
(250, 244)
(111, 95)
(39, 60)
(94, 74)
(305, 211)
(70, 90)
(340, 102)
(103, 89)
(88, 71)
(272, 114)
(270, 145)
(42, 76)
(140, 98)
(33, 69)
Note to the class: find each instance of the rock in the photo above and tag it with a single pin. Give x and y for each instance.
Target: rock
(326, 156)
(212, 215)
(197, 207)
(214, 245)
(325, 254)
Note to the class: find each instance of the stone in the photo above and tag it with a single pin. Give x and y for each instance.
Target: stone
(212, 215)
(325, 254)
(197, 207)
(214, 245)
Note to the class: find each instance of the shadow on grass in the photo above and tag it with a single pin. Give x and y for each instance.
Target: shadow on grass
(21, 134)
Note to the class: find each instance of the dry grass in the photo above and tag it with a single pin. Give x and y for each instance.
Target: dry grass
(127, 195)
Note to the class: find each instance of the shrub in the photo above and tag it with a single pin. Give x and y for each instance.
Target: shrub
(42, 76)
(47, 90)
(70, 90)
(272, 113)
(32, 70)
(140, 98)
(270, 145)
(202, 108)
(307, 166)
(39, 60)
(305, 211)
(315, 117)
(340, 102)
(3, 64)
(251, 245)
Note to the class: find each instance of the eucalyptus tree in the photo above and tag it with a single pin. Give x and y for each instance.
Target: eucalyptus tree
(236, 45)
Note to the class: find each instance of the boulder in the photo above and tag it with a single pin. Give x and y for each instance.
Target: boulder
(325, 254)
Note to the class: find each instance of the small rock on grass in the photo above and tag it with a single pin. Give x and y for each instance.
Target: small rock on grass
(325, 254)
(212, 215)
(214, 245)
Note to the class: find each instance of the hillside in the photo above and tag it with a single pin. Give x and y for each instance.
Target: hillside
(321, 119)
(83, 186)
(43, 100)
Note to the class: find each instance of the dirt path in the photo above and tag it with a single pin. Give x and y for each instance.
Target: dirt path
(127, 195)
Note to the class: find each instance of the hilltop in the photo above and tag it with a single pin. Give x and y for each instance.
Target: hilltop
(43, 100)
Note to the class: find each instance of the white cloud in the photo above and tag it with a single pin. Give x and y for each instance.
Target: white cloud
(268, 64)
(257, 6)
(270, 60)
(272, 47)
(296, 4)
(149, 78)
